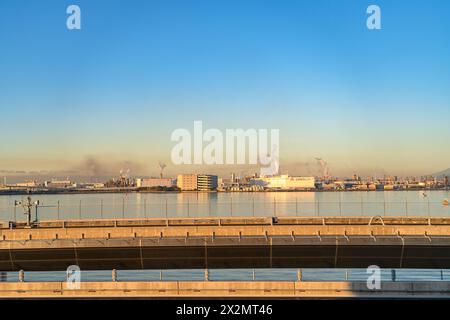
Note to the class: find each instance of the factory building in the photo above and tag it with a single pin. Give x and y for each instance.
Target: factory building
(285, 182)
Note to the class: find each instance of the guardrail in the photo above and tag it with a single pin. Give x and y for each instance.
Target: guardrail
(217, 275)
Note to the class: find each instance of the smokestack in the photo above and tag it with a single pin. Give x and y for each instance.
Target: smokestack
(161, 168)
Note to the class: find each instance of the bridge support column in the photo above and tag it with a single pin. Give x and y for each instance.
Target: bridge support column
(21, 276)
(206, 275)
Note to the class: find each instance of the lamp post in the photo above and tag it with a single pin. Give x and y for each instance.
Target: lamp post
(27, 208)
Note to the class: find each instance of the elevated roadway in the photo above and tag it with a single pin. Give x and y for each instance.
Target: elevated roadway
(251, 242)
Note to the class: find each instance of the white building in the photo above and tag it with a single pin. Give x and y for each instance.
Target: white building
(93, 185)
(155, 182)
(60, 184)
(285, 182)
(28, 184)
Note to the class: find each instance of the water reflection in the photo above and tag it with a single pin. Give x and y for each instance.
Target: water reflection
(190, 204)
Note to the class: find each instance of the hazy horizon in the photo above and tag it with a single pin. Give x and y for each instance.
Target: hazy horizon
(95, 170)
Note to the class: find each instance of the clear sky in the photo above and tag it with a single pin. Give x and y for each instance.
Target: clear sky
(367, 101)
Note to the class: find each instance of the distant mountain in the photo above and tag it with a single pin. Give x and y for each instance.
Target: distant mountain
(445, 172)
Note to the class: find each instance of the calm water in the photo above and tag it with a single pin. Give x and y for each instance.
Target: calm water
(135, 205)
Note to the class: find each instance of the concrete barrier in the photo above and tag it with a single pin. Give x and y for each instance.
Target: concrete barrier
(248, 289)
(231, 221)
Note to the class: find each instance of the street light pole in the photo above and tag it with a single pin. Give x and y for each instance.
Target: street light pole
(27, 208)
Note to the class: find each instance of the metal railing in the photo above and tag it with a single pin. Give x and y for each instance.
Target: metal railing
(306, 275)
(126, 208)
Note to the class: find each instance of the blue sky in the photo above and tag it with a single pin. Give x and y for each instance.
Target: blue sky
(366, 101)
